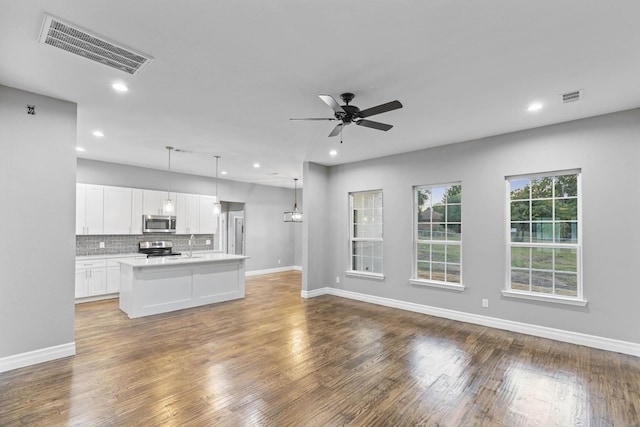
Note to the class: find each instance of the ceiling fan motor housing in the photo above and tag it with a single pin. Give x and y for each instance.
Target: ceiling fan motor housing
(351, 113)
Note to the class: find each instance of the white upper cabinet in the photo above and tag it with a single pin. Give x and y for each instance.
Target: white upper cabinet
(136, 211)
(117, 210)
(152, 201)
(102, 209)
(208, 220)
(188, 214)
(89, 209)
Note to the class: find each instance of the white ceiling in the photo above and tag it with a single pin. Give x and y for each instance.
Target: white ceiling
(227, 75)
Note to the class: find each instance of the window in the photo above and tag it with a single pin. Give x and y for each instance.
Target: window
(438, 234)
(544, 247)
(366, 232)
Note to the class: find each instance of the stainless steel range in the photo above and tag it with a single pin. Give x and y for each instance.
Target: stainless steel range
(157, 248)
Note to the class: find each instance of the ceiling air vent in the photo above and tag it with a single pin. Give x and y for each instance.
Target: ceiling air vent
(79, 41)
(571, 96)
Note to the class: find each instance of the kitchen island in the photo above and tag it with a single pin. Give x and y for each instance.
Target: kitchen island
(161, 284)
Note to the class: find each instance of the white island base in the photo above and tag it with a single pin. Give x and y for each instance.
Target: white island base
(162, 284)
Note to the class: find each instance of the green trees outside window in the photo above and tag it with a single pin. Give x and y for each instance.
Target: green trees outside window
(544, 226)
(438, 233)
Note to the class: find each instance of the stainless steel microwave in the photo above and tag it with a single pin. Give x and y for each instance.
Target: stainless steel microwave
(158, 224)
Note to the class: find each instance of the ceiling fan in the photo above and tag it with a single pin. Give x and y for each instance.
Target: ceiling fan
(347, 114)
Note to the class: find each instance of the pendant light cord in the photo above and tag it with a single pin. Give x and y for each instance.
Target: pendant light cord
(169, 169)
(217, 158)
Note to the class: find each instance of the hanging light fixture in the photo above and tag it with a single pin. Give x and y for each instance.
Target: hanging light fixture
(168, 207)
(296, 214)
(217, 206)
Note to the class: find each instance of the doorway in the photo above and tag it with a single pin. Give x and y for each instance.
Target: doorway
(232, 228)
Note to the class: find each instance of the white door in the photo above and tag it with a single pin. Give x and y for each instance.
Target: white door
(236, 233)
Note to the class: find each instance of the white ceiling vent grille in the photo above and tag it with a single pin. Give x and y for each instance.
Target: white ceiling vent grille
(572, 96)
(79, 41)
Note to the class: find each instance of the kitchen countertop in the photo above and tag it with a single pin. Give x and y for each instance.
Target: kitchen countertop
(198, 257)
(133, 254)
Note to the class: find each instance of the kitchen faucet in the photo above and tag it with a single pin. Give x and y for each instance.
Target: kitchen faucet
(191, 239)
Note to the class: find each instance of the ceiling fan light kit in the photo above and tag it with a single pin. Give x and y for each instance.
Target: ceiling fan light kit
(348, 114)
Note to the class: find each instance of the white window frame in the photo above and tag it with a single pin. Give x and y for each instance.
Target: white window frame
(579, 299)
(361, 273)
(415, 280)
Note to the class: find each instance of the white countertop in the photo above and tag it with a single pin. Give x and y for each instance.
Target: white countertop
(134, 255)
(182, 259)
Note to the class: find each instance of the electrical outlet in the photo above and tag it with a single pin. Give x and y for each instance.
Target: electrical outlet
(338, 279)
(279, 261)
(485, 302)
(208, 242)
(101, 245)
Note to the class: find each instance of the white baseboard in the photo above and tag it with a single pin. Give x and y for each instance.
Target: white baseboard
(272, 270)
(316, 292)
(593, 341)
(37, 356)
(97, 298)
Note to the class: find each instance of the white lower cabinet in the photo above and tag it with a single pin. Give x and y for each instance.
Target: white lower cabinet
(91, 278)
(97, 277)
(113, 280)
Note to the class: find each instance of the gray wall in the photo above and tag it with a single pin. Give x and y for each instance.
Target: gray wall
(268, 238)
(315, 228)
(297, 232)
(37, 190)
(605, 148)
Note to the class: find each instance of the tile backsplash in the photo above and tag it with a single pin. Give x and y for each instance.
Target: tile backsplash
(127, 244)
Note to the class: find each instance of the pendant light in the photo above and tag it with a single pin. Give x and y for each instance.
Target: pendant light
(168, 207)
(296, 214)
(217, 206)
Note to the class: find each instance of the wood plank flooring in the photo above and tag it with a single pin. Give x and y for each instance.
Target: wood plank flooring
(275, 359)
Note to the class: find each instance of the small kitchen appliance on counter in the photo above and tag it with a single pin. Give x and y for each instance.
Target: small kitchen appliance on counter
(157, 248)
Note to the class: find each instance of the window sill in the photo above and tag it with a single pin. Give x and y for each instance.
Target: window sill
(441, 285)
(354, 273)
(545, 298)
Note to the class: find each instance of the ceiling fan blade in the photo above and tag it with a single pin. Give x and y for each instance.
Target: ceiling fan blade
(382, 108)
(374, 125)
(317, 118)
(331, 102)
(336, 130)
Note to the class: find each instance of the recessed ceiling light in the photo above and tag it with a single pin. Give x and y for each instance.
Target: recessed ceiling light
(120, 87)
(79, 149)
(256, 165)
(536, 106)
(98, 133)
(333, 153)
(223, 173)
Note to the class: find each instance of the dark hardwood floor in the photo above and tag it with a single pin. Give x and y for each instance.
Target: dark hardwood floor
(276, 359)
